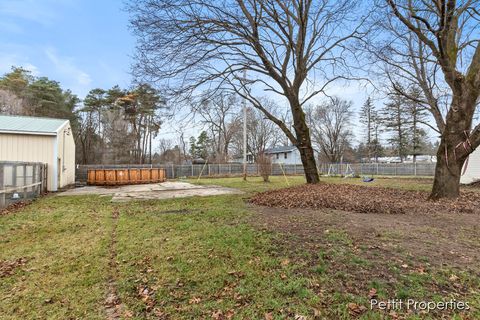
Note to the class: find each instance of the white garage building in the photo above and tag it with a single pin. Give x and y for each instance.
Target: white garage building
(472, 173)
(46, 140)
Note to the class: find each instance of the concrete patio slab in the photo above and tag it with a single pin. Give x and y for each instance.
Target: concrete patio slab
(164, 190)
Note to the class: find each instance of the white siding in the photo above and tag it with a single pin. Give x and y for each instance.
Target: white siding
(293, 157)
(67, 176)
(473, 169)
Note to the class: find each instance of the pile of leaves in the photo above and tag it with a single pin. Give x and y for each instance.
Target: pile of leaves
(364, 199)
(7, 268)
(475, 184)
(14, 207)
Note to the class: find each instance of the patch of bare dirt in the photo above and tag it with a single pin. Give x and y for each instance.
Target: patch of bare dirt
(365, 200)
(8, 268)
(443, 238)
(358, 249)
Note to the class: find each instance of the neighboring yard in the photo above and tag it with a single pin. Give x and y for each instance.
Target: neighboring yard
(220, 257)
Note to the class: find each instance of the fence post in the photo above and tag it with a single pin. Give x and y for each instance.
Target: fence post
(192, 169)
(415, 168)
(14, 176)
(2, 184)
(25, 190)
(377, 168)
(34, 178)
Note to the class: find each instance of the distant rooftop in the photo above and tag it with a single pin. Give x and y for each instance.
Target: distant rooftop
(280, 149)
(30, 125)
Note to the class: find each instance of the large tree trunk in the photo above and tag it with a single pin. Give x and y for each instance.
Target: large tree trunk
(309, 165)
(454, 148)
(446, 183)
(304, 143)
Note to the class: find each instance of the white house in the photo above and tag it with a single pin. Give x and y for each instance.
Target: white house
(284, 155)
(46, 140)
(472, 172)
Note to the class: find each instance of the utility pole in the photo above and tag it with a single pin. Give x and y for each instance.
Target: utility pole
(245, 132)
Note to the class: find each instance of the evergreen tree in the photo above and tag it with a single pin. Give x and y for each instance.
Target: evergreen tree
(395, 118)
(370, 119)
(417, 115)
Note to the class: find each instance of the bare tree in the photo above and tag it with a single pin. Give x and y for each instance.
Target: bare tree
(407, 64)
(261, 132)
(10, 103)
(292, 48)
(220, 114)
(330, 123)
(444, 37)
(164, 145)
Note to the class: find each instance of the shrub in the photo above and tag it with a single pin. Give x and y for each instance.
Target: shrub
(264, 166)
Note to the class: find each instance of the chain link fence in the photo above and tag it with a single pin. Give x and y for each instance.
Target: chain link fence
(426, 169)
(236, 169)
(20, 181)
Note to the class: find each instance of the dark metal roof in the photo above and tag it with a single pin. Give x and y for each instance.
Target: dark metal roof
(281, 149)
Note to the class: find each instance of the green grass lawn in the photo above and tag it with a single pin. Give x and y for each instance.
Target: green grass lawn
(190, 258)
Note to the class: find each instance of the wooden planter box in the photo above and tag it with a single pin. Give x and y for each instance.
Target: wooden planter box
(125, 176)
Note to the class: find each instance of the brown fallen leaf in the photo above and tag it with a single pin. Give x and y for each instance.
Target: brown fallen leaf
(355, 309)
(217, 315)
(453, 278)
(128, 314)
(229, 314)
(268, 316)
(194, 300)
(372, 294)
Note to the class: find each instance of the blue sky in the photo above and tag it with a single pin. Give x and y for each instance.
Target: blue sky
(83, 44)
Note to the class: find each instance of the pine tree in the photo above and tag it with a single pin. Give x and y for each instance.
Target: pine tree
(395, 118)
(370, 119)
(417, 114)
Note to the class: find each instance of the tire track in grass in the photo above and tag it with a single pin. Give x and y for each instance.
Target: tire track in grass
(113, 304)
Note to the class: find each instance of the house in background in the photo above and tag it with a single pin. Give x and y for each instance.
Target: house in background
(472, 171)
(46, 140)
(284, 155)
(239, 158)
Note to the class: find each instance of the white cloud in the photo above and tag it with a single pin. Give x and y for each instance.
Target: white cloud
(42, 12)
(75, 78)
(8, 60)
